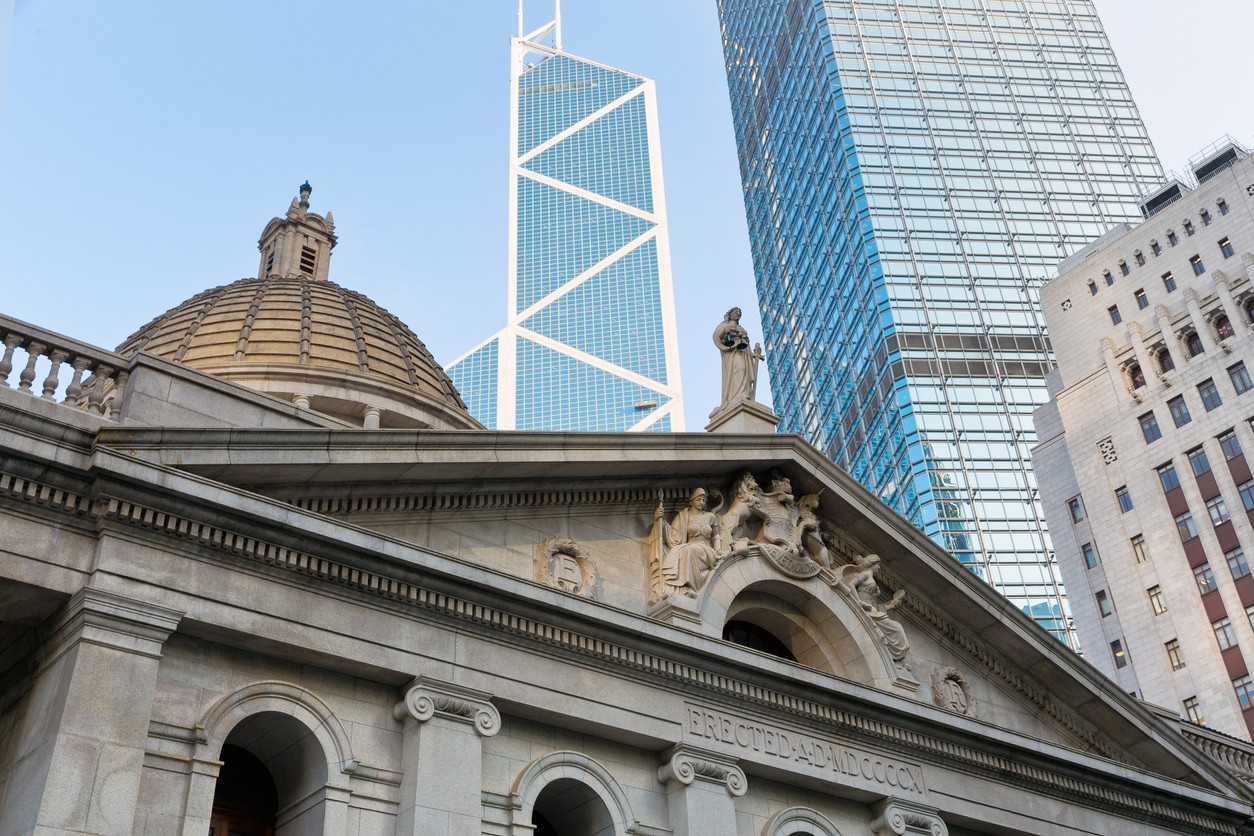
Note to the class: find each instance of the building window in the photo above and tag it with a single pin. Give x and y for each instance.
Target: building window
(1205, 218)
(1139, 549)
(1135, 376)
(1193, 342)
(1142, 301)
(1237, 563)
(1188, 228)
(1092, 288)
(1076, 509)
(1103, 603)
(1244, 686)
(1090, 555)
(1121, 656)
(1109, 278)
(1240, 378)
(1230, 444)
(1185, 526)
(1193, 711)
(1246, 490)
(1225, 247)
(1179, 410)
(1140, 258)
(1125, 499)
(1155, 248)
(1115, 316)
(1167, 475)
(1198, 461)
(1149, 428)
(1249, 614)
(1169, 281)
(1156, 599)
(1124, 268)
(1223, 327)
(1173, 654)
(1210, 395)
(1198, 267)
(1248, 306)
(1223, 206)
(1172, 239)
(308, 259)
(1204, 577)
(1224, 634)
(1165, 362)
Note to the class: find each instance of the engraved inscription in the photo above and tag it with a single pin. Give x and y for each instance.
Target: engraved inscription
(803, 750)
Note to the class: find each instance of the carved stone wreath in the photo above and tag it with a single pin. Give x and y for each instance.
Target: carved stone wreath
(952, 691)
(564, 564)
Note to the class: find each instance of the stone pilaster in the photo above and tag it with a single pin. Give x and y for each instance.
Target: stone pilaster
(702, 787)
(897, 817)
(443, 758)
(1200, 323)
(85, 720)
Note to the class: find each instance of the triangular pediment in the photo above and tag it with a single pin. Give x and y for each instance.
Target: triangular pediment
(577, 513)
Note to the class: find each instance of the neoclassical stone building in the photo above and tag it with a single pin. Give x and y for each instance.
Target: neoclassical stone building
(261, 573)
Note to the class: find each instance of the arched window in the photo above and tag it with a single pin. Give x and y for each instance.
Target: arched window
(567, 807)
(747, 634)
(570, 794)
(1165, 363)
(1223, 327)
(1193, 342)
(1136, 376)
(245, 800)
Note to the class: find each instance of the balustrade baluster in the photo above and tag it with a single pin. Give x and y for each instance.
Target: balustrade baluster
(11, 342)
(75, 389)
(27, 377)
(95, 400)
(50, 382)
(114, 412)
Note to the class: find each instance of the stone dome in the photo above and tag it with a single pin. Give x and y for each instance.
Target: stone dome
(296, 335)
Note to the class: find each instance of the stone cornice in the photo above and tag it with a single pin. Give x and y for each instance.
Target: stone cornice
(855, 723)
(684, 764)
(427, 698)
(111, 620)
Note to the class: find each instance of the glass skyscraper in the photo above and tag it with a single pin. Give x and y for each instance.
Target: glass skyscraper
(913, 171)
(589, 342)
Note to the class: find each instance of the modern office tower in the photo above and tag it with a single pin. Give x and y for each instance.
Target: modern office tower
(589, 342)
(913, 172)
(1145, 478)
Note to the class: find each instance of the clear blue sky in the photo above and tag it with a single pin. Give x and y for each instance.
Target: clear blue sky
(144, 144)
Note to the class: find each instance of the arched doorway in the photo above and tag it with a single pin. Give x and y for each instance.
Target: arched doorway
(567, 807)
(245, 801)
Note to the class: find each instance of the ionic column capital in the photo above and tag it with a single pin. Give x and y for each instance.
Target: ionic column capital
(427, 698)
(685, 764)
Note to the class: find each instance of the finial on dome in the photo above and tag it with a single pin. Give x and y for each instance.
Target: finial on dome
(305, 190)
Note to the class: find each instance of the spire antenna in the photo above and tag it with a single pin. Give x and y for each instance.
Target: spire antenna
(557, 24)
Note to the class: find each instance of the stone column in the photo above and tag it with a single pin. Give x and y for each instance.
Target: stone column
(80, 742)
(1117, 378)
(898, 817)
(1200, 323)
(1162, 318)
(701, 787)
(443, 758)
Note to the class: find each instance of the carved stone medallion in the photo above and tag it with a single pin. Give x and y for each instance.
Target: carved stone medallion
(952, 691)
(564, 564)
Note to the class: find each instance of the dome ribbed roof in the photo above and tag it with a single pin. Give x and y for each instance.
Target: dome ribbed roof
(307, 337)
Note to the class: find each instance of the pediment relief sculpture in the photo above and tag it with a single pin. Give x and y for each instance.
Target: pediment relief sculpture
(683, 552)
(952, 691)
(787, 533)
(563, 564)
(858, 582)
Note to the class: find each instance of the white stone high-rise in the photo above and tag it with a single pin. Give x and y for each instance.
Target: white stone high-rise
(590, 340)
(1143, 458)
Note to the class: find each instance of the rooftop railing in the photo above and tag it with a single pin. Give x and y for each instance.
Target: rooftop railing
(97, 376)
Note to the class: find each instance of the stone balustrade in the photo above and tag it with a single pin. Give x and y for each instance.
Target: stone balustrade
(98, 376)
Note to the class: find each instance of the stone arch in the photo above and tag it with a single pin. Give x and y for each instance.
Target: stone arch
(799, 821)
(574, 771)
(305, 747)
(820, 626)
